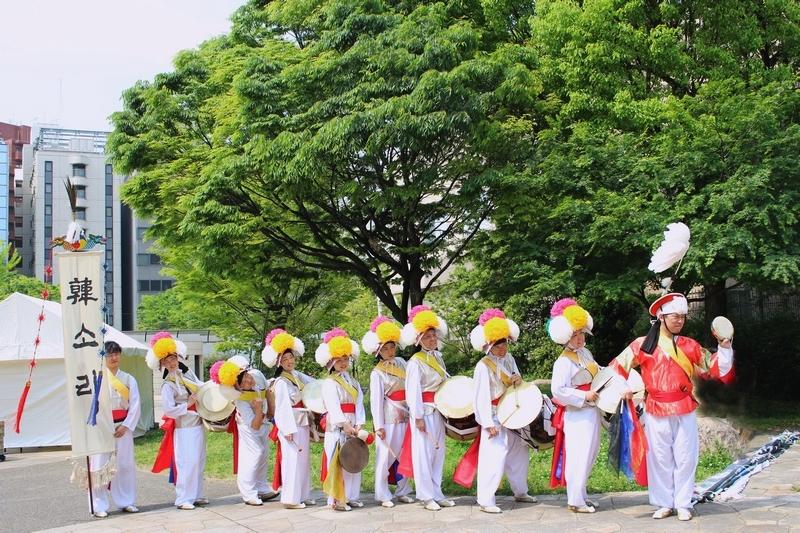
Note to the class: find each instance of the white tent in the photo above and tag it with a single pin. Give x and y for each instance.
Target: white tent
(45, 421)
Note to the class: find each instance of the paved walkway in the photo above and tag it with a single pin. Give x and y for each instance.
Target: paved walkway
(771, 503)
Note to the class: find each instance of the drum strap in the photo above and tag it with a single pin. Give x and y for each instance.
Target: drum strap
(119, 386)
(391, 369)
(676, 354)
(352, 391)
(190, 385)
(291, 377)
(504, 377)
(249, 395)
(591, 366)
(431, 361)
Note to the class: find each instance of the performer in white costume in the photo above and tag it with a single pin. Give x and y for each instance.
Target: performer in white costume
(251, 427)
(345, 416)
(387, 386)
(291, 472)
(577, 419)
(126, 409)
(183, 449)
(425, 373)
(500, 451)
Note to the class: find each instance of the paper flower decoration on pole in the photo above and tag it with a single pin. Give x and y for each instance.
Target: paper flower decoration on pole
(672, 250)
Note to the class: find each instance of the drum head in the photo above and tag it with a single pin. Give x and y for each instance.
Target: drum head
(602, 377)
(312, 396)
(454, 399)
(611, 394)
(354, 455)
(722, 328)
(581, 377)
(211, 404)
(519, 406)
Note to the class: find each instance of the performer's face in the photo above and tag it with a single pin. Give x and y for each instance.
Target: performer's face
(170, 362)
(674, 322)
(112, 361)
(429, 340)
(287, 361)
(388, 351)
(577, 341)
(248, 382)
(500, 348)
(340, 364)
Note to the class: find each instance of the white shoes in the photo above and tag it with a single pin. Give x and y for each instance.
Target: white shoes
(340, 507)
(130, 509)
(662, 513)
(388, 504)
(447, 502)
(186, 507)
(100, 514)
(255, 502)
(582, 509)
(294, 506)
(201, 501)
(356, 503)
(405, 498)
(431, 505)
(526, 498)
(491, 509)
(310, 502)
(684, 515)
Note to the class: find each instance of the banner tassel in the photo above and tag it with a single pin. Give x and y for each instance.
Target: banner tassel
(97, 379)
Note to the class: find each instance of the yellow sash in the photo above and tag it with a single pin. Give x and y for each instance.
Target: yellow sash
(190, 385)
(391, 369)
(430, 361)
(333, 484)
(250, 395)
(352, 391)
(504, 377)
(677, 355)
(119, 386)
(293, 379)
(573, 356)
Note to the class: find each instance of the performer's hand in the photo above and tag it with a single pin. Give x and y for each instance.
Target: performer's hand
(381, 433)
(591, 396)
(420, 422)
(493, 431)
(358, 428)
(627, 395)
(289, 437)
(516, 379)
(349, 429)
(257, 405)
(120, 431)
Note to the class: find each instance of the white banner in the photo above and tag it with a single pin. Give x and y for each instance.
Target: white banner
(81, 281)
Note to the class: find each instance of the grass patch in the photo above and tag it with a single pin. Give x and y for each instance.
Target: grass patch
(220, 460)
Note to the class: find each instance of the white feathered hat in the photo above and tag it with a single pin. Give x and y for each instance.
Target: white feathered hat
(492, 327)
(276, 343)
(381, 331)
(420, 319)
(336, 344)
(567, 317)
(163, 344)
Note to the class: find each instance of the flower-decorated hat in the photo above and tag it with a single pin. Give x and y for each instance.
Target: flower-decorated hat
(382, 330)
(335, 344)
(163, 344)
(275, 345)
(567, 317)
(420, 319)
(492, 327)
(229, 371)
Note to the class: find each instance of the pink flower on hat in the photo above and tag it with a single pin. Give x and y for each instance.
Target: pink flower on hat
(490, 314)
(559, 306)
(213, 372)
(272, 334)
(417, 309)
(377, 322)
(158, 336)
(335, 332)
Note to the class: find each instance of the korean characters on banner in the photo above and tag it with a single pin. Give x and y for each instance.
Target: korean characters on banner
(91, 423)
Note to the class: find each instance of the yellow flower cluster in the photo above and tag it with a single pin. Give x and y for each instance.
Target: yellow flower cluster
(282, 342)
(340, 347)
(164, 347)
(228, 373)
(495, 329)
(577, 316)
(425, 320)
(388, 331)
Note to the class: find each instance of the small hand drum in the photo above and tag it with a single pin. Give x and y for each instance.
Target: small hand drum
(722, 329)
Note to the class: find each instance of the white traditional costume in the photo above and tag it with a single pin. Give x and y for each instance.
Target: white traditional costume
(291, 472)
(577, 421)
(387, 386)
(506, 453)
(126, 409)
(344, 404)
(670, 422)
(183, 449)
(425, 373)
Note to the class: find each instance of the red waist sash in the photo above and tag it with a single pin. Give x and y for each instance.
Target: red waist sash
(399, 395)
(298, 405)
(496, 400)
(119, 415)
(349, 408)
(427, 397)
(668, 396)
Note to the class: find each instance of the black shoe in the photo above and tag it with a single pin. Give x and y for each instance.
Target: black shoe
(2, 457)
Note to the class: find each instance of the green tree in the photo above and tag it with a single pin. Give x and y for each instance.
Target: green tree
(12, 281)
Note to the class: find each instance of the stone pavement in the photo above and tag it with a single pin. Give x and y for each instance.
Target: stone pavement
(770, 503)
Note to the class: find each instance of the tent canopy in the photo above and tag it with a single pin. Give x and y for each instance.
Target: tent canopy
(46, 419)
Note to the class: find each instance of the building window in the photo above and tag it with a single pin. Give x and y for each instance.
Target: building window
(80, 213)
(143, 259)
(48, 188)
(79, 170)
(140, 234)
(144, 285)
(80, 191)
(18, 243)
(154, 259)
(48, 169)
(109, 212)
(18, 222)
(166, 284)
(48, 210)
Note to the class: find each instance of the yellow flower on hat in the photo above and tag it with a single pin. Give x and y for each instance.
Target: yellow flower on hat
(228, 373)
(577, 316)
(282, 342)
(164, 347)
(340, 347)
(388, 332)
(495, 329)
(425, 320)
